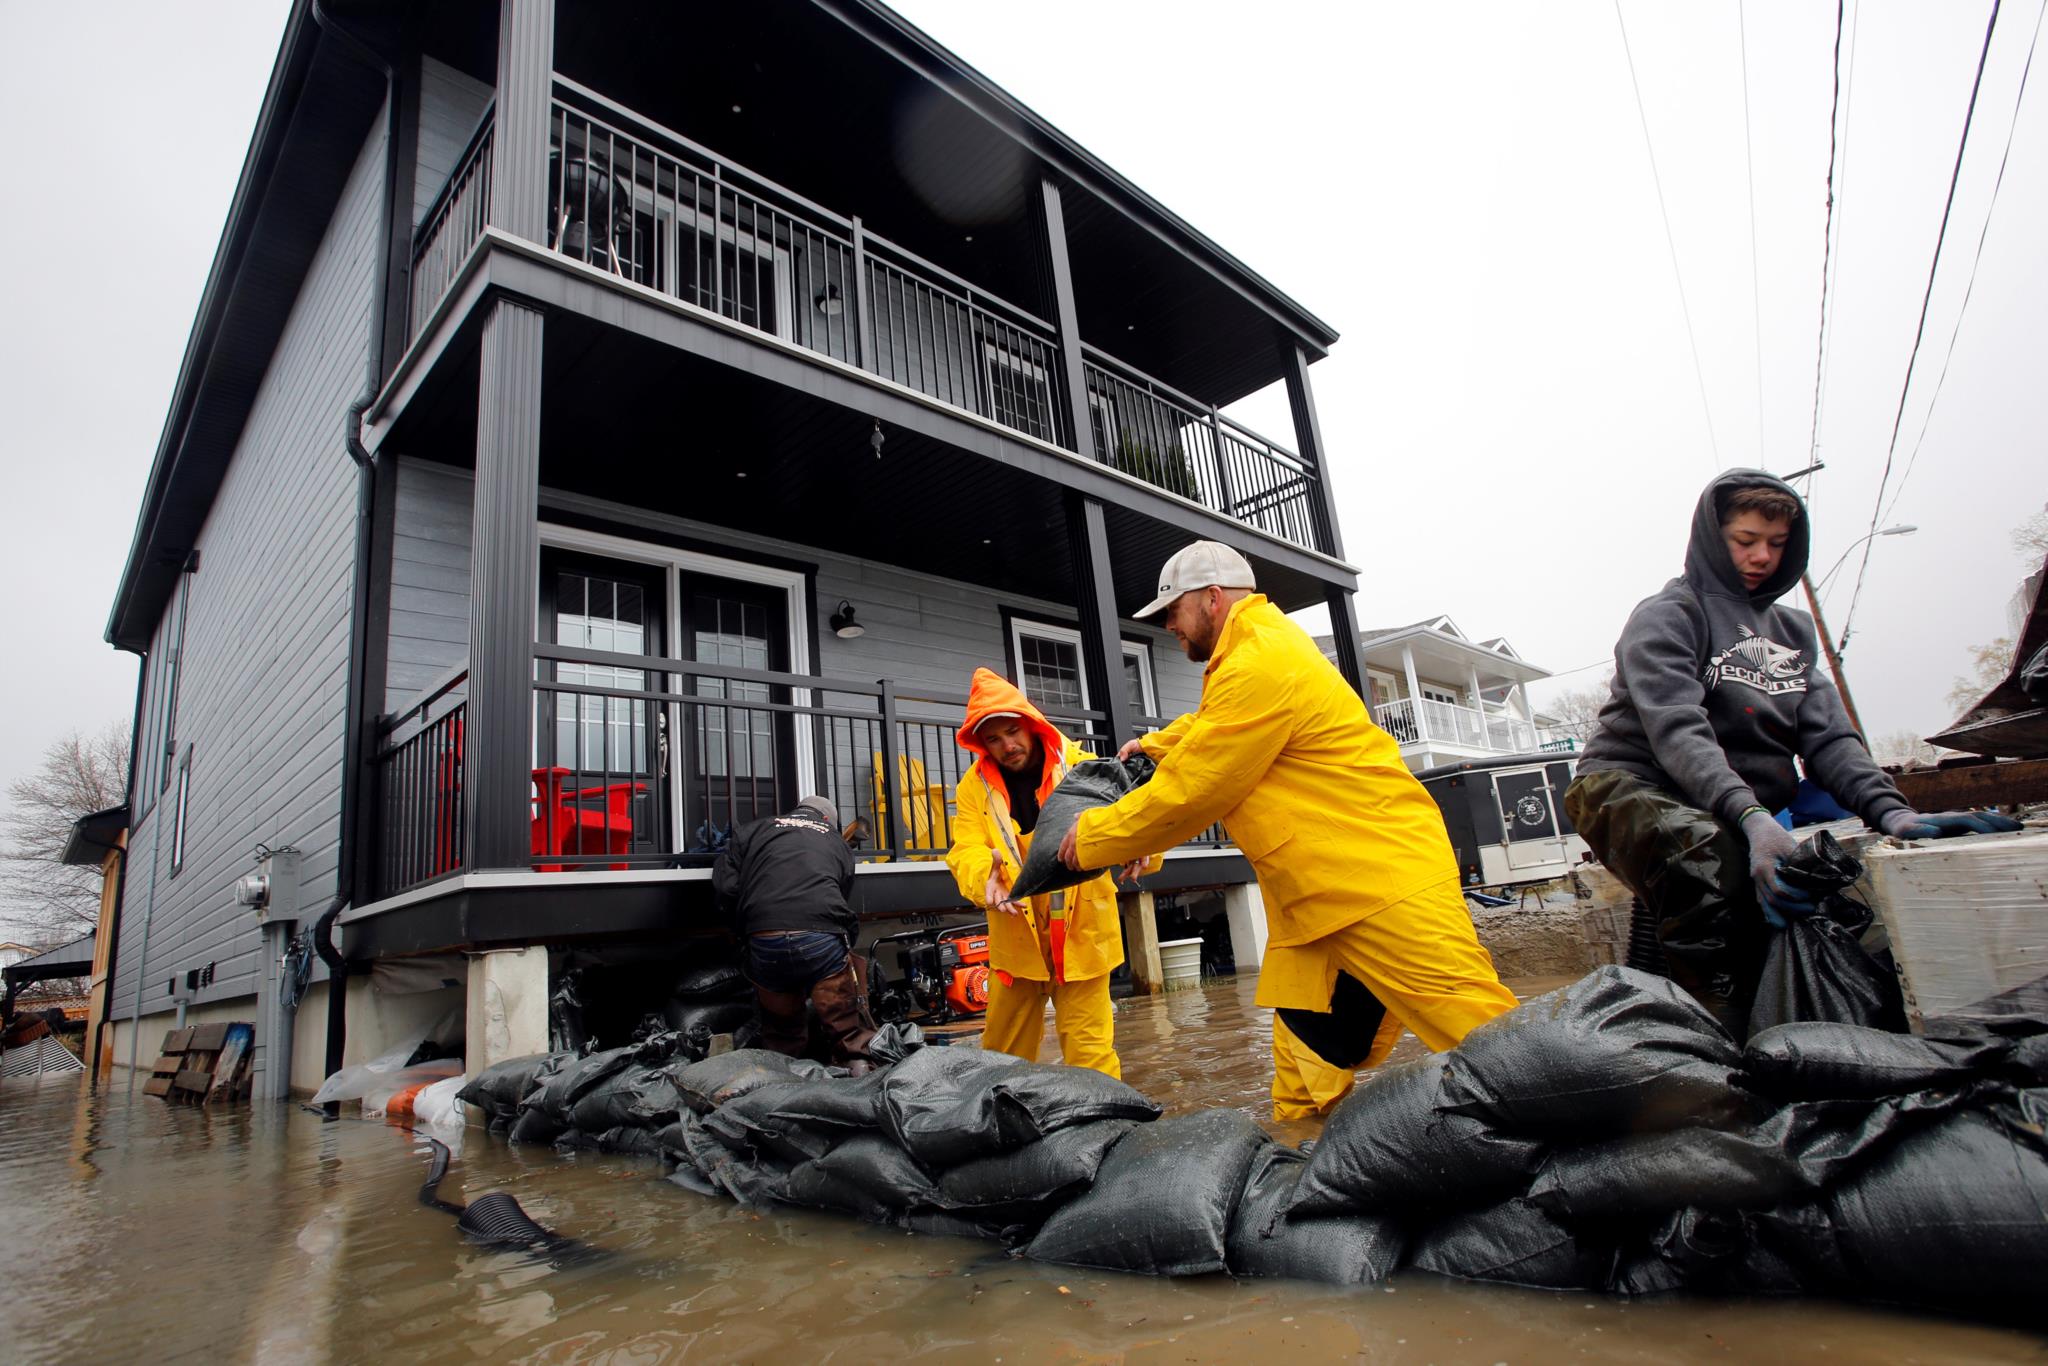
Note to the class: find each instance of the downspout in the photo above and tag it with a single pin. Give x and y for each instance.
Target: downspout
(353, 729)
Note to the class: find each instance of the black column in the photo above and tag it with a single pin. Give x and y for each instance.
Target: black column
(504, 565)
(519, 156)
(1102, 646)
(1308, 436)
(1060, 280)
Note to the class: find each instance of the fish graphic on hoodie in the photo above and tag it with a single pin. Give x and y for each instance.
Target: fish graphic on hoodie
(1715, 694)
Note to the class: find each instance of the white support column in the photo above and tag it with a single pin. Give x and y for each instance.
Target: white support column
(507, 1007)
(1245, 908)
(1478, 697)
(1414, 693)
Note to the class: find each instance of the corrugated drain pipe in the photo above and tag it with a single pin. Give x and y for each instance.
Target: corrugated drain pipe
(353, 730)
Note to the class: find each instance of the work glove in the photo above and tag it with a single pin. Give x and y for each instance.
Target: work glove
(1770, 844)
(1911, 825)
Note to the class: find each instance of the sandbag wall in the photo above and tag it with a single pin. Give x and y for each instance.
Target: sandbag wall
(1608, 1136)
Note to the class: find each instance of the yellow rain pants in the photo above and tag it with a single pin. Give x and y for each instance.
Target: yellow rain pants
(1082, 1016)
(1419, 956)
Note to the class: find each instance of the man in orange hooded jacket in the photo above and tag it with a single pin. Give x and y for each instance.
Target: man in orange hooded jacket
(1059, 947)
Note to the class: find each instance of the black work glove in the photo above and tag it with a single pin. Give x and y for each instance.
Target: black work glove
(1770, 844)
(1911, 825)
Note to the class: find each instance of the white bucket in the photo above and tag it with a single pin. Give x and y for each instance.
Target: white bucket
(1180, 962)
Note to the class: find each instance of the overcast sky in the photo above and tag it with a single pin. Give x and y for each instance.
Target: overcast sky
(1462, 190)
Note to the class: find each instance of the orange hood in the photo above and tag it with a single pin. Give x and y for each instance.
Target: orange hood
(991, 694)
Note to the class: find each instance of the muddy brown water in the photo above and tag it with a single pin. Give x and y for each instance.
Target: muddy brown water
(133, 1231)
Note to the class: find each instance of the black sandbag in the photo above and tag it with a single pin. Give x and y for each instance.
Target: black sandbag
(629, 1139)
(706, 1085)
(499, 1088)
(1343, 1035)
(750, 1178)
(940, 1223)
(1816, 969)
(895, 1042)
(1090, 784)
(831, 1103)
(750, 1122)
(1051, 1169)
(712, 982)
(1691, 1249)
(1618, 1051)
(1844, 1061)
(711, 1017)
(1163, 1201)
(1803, 1148)
(1514, 1243)
(640, 1094)
(867, 1176)
(1338, 1249)
(927, 1091)
(1955, 1216)
(1393, 1146)
(544, 1115)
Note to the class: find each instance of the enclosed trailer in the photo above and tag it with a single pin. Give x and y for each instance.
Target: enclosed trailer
(1506, 817)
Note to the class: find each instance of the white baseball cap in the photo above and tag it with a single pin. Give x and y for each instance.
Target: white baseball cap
(1205, 564)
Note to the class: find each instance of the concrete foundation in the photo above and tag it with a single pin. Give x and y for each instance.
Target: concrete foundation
(507, 1007)
(1246, 909)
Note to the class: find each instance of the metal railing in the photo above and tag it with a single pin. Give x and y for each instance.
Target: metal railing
(1157, 434)
(421, 832)
(646, 204)
(657, 764)
(1414, 721)
(450, 228)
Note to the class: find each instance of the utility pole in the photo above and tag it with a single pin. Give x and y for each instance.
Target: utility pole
(1827, 643)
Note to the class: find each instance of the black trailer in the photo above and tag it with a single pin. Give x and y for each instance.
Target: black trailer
(1506, 817)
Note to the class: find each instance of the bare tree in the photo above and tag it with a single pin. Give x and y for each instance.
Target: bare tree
(1904, 747)
(1989, 665)
(1578, 710)
(79, 774)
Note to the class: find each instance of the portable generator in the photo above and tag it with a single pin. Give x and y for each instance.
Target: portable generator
(941, 975)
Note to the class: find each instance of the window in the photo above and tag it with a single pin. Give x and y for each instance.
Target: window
(1020, 397)
(157, 747)
(1436, 694)
(178, 818)
(1049, 668)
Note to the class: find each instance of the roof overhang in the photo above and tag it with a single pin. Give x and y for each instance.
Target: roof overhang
(1448, 651)
(95, 835)
(67, 960)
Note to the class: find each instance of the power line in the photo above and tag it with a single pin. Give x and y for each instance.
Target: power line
(1756, 308)
(1827, 255)
(1971, 286)
(1933, 266)
(1669, 241)
(1833, 292)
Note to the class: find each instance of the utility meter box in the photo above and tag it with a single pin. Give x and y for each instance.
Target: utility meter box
(273, 889)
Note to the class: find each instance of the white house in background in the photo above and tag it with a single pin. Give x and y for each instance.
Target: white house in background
(1447, 697)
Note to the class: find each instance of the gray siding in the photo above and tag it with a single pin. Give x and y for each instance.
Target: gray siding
(262, 695)
(450, 105)
(429, 578)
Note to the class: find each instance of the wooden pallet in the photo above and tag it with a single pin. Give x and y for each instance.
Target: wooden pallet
(204, 1063)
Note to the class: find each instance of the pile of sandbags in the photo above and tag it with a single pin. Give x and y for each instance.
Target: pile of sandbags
(1608, 1136)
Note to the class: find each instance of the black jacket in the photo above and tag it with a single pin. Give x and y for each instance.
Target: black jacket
(788, 872)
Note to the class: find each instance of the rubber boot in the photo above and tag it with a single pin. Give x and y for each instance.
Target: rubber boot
(783, 1025)
(842, 1004)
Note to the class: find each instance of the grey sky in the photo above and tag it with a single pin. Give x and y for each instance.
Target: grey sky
(1462, 190)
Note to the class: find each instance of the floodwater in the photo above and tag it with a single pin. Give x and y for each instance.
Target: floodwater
(134, 1231)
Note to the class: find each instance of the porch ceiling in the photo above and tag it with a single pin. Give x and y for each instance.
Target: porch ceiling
(1440, 657)
(630, 420)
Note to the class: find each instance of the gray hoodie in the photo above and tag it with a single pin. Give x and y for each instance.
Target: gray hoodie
(1716, 691)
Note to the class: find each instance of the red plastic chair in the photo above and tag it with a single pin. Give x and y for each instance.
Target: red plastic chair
(563, 826)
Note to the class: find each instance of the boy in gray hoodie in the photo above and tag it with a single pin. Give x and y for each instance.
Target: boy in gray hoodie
(1715, 696)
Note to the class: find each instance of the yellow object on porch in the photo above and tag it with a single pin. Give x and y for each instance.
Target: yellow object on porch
(924, 808)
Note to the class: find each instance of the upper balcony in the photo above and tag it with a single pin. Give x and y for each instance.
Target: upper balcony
(649, 207)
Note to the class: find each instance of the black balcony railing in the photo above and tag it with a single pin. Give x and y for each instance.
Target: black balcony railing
(661, 774)
(647, 205)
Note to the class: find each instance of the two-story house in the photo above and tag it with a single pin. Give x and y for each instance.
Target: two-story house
(606, 424)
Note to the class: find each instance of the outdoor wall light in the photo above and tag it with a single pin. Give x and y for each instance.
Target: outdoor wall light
(831, 302)
(875, 439)
(843, 624)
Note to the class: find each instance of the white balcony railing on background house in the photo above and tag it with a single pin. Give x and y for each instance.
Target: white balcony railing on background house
(1415, 721)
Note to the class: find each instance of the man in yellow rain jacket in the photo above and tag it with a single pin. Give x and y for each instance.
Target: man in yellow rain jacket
(1350, 852)
(1061, 946)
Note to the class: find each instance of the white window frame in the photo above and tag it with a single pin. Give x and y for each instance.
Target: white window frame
(1067, 635)
(677, 562)
(672, 220)
(179, 815)
(1432, 693)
